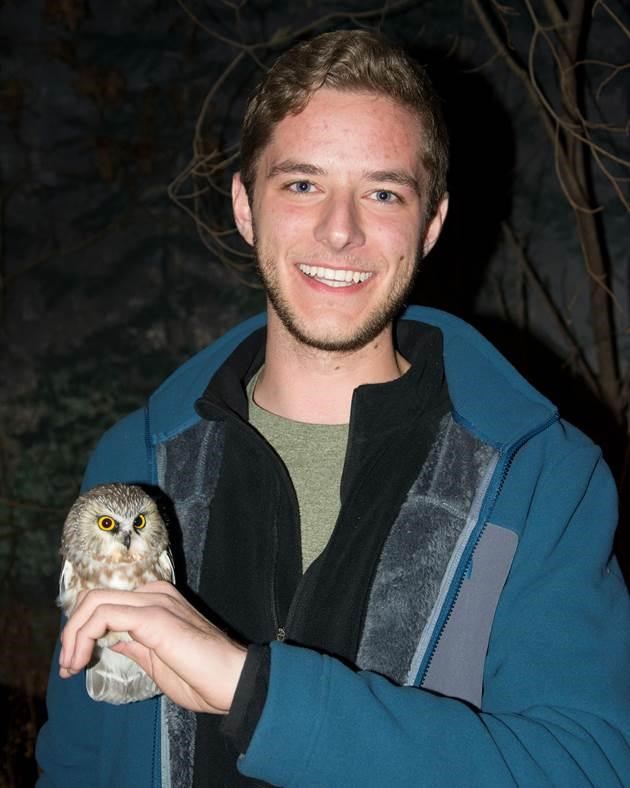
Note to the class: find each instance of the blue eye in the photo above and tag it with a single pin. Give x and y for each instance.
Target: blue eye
(302, 187)
(382, 195)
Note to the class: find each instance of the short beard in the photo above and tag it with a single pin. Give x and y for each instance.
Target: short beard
(376, 323)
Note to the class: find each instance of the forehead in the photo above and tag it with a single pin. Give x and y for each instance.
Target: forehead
(366, 129)
(120, 500)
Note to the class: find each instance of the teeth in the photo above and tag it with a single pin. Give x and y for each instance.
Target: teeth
(335, 277)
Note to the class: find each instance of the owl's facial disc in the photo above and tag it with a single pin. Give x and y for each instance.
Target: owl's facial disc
(121, 537)
(129, 544)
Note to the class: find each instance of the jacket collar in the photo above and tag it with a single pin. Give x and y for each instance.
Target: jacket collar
(488, 394)
(377, 408)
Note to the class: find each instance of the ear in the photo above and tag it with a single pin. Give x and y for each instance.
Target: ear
(434, 229)
(242, 211)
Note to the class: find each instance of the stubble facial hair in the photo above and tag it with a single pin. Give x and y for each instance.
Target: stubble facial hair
(381, 316)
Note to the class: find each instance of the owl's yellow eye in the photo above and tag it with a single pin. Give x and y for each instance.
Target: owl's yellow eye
(140, 521)
(106, 523)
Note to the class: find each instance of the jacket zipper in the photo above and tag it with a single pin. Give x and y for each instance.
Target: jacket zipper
(491, 497)
(279, 629)
(297, 603)
(251, 433)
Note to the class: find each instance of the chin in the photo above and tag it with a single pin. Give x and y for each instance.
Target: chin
(338, 335)
(334, 342)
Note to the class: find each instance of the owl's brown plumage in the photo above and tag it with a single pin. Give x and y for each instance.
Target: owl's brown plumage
(113, 537)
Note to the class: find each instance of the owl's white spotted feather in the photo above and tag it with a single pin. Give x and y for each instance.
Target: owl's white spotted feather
(113, 537)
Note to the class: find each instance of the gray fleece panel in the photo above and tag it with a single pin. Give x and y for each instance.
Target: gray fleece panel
(188, 466)
(408, 585)
(457, 665)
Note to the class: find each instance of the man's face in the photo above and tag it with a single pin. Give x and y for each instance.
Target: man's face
(337, 218)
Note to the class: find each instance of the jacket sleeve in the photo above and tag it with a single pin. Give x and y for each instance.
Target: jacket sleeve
(78, 729)
(555, 707)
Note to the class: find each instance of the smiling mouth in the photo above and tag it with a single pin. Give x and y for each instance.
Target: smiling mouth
(335, 277)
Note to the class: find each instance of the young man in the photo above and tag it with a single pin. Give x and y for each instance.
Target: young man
(409, 549)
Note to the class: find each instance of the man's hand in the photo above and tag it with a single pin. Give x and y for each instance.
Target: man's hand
(190, 660)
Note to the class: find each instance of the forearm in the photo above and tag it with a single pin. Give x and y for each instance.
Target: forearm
(324, 724)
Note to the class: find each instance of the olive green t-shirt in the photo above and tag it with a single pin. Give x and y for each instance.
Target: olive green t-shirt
(314, 455)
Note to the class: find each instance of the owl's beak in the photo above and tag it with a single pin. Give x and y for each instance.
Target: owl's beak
(126, 540)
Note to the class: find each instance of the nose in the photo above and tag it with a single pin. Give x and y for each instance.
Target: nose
(126, 540)
(339, 225)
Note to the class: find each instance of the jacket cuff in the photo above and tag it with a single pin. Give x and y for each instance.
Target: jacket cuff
(297, 702)
(249, 699)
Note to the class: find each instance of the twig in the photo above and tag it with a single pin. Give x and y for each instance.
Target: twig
(210, 95)
(614, 182)
(557, 151)
(553, 309)
(612, 15)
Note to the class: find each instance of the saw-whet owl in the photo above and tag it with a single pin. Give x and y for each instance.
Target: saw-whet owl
(113, 537)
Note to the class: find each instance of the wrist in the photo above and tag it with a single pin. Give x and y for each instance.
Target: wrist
(250, 697)
(234, 661)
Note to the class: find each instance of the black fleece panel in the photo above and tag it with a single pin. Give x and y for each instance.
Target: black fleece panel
(252, 523)
(392, 429)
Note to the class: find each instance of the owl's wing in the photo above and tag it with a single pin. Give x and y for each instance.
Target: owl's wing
(67, 588)
(117, 679)
(67, 573)
(165, 562)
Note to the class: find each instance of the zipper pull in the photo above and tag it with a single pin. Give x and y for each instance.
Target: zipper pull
(281, 635)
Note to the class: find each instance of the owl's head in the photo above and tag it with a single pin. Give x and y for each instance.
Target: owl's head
(114, 523)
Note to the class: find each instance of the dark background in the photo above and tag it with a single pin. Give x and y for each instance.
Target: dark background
(118, 259)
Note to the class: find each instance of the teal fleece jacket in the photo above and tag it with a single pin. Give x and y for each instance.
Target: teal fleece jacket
(556, 691)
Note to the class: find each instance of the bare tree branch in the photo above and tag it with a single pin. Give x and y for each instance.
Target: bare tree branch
(574, 151)
(553, 309)
(612, 15)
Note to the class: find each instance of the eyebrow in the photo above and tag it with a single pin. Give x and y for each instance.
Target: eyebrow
(400, 177)
(292, 167)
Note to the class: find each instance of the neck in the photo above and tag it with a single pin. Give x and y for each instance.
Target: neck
(315, 386)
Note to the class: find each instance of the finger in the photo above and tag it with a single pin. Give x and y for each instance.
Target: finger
(135, 651)
(87, 602)
(139, 621)
(66, 673)
(93, 599)
(161, 586)
(175, 601)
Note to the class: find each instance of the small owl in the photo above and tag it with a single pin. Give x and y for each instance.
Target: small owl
(113, 537)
